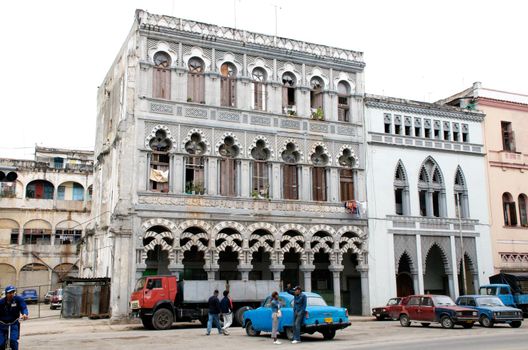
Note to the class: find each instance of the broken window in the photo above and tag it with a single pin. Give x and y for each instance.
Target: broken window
(509, 210)
(343, 107)
(259, 89)
(160, 145)
(288, 92)
(228, 167)
(261, 169)
(194, 165)
(64, 237)
(161, 82)
(196, 81)
(36, 236)
(291, 157)
(14, 236)
(228, 85)
(319, 160)
(508, 137)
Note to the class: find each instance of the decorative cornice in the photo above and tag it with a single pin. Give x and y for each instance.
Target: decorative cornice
(405, 106)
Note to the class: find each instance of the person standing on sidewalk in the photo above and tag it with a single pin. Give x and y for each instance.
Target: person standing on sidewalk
(12, 307)
(299, 309)
(276, 314)
(214, 312)
(226, 307)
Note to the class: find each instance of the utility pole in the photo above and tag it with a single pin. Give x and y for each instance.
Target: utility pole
(459, 214)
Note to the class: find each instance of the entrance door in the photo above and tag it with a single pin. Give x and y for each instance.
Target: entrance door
(404, 285)
(354, 287)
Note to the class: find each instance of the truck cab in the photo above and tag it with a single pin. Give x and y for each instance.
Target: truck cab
(503, 291)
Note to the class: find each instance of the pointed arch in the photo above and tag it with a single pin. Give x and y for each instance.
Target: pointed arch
(461, 194)
(401, 190)
(431, 189)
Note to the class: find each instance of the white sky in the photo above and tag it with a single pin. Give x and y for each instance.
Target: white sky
(55, 53)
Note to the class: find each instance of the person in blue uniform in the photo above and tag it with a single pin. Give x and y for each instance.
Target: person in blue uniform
(12, 307)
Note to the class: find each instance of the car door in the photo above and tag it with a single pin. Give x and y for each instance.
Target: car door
(426, 309)
(262, 319)
(413, 308)
(154, 292)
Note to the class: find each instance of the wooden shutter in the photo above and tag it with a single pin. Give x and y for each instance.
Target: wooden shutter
(347, 184)
(258, 96)
(228, 177)
(161, 83)
(290, 182)
(319, 184)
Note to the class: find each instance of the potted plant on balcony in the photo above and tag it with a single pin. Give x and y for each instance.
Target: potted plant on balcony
(189, 188)
(199, 189)
(318, 114)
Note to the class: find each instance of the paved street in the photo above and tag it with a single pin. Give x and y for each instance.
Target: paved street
(54, 333)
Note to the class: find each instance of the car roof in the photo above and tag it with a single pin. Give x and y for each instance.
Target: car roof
(477, 296)
(308, 294)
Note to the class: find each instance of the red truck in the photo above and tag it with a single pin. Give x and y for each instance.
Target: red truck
(161, 300)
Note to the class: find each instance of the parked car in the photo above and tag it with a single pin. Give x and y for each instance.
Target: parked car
(30, 296)
(56, 299)
(319, 317)
(391, 310)
(47, 297)
(428, 309)
(491, 310)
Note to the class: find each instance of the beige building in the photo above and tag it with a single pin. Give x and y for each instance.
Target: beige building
(505, 128)
(45, 205)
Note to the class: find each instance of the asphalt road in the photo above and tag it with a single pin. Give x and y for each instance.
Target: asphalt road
(54, 333)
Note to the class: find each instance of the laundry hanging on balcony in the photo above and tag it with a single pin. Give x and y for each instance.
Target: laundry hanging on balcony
(159, 175)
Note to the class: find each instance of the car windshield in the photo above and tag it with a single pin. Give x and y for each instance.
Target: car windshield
(140, 284)
(488, 290)
(442, 300)
(315, 301)
(489, 301)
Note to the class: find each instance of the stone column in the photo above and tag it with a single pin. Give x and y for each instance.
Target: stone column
(416, 282)
(307, 269)
(177, 175)
(211, 264)
(245, 179)
(476, 284)
(429, 202)
(212, 176)
(451, 282)
(336, 274)
(276, 181)
(276, 269)
(333, 185)
(419, 265)
(304, 185)
(363, 270)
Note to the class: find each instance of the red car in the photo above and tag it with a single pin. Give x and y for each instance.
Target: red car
(428, 309)
(391, 311)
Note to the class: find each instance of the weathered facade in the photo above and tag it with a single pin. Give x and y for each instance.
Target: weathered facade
(505, 128)
(426, 181)
(224, 154)
(44, 208)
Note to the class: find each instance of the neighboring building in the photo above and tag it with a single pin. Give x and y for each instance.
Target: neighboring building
(506, 143)
(44, 208)
(425, 165)
(225, 154)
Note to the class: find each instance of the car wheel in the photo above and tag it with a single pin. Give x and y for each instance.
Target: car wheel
(447, 322)
(426, 324)
(405, 321)
(147, 322)
(239, 314)
(289, 332)
(379, 318)
(329, 334)
(485, 321)
(468, 325)
(162, 319)
(52, 307)
(515, 324)
(250, 330)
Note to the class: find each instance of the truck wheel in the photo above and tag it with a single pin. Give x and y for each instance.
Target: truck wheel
(239, 314)
(250, 330)
(485, 321)
(162, 319)
(515, 324)
(447, 322)
(147, 322)
(289, 332)
(329, 334)
(404, 320)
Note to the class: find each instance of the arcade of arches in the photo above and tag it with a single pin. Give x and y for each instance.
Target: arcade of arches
(328, 260)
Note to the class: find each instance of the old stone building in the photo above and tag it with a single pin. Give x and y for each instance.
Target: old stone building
(44, 207)
(426, 182)
(225, 154)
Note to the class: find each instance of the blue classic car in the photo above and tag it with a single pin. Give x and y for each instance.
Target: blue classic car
(29, 296)
(319, 317)
(491, 310)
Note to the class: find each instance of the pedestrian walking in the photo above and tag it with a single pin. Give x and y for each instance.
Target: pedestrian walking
(276, 314)
(214, 312)
(299, 309)
(226, 307)
(12, 307)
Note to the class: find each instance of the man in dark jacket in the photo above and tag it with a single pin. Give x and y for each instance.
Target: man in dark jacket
(226, 307)
(12, 307)
(299, 309)
(214, 312)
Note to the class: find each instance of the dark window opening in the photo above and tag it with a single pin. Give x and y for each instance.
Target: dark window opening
(427, 132)
(407, 131)
(465, 137)
(456, 136)
(446, 135)
(437, 134)
(417, 131)
(397, 129)
(398, 194)
(508, 139)
(436, 204)
(423, 205)
(14, 236)
(387, 128)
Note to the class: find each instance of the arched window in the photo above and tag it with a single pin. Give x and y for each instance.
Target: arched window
(288, 92)
(70, 191)
(316, 93)
(343, 107)
(346, 176)
(194, 165)
(228, 167)
(196, 81)
(290, 172)
(431, 190)
(319, 160)
(159, 162)
(161, 82)
(259, 89)
(401, 191)
(40, 189)
(228, 85)
(461, 195)
(522, 210)
(261, 170)
(508, 207)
